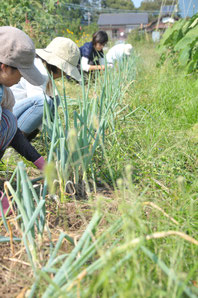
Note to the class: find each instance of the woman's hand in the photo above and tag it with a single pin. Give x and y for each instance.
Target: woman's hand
(97, 67)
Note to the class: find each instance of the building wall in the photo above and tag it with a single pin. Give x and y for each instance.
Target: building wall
(118, 32)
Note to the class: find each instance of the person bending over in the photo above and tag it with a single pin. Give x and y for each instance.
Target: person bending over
(118, 52)
(62, 54)
(92, 56)
(16, 60)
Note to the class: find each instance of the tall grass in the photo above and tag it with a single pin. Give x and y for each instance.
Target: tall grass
(145, 252)
(29, 214)
(143, 241)
(74, 140)
(154, 251)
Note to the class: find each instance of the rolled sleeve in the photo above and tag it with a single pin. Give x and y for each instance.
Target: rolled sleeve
(84, 64)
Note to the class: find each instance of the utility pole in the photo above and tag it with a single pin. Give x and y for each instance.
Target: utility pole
(193, 9)
(89, 17)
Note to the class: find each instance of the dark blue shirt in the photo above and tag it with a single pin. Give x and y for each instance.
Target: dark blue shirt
(88, 51)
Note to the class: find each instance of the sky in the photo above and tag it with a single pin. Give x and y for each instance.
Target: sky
(137, 3)
(187, 7)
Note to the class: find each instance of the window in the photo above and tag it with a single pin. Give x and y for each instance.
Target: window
(115, 33)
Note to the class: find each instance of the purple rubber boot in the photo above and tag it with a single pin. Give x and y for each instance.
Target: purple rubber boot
(5, 204)
(39, 163)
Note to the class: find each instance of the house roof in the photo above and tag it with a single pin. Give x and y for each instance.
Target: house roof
(161, 20)
(161, 23)
(168, 9)
(123, 19)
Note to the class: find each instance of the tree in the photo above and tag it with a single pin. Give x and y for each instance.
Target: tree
(118, 4)
(154, 4)
(42, 20)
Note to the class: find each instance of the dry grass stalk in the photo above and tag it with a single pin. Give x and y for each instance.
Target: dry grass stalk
(19, 252)
(22, 294)
(158, 235)
(11, 237)
(17, 261)
(162, 185)
(77, 280)
(160, 209)
(4, 267)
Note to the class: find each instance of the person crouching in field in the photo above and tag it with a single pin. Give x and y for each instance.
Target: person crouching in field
(92, 56)
(16, 60)
(118, 52)
(61, 55)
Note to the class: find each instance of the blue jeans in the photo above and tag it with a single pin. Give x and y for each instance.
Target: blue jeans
(29, 112)
(8, 128)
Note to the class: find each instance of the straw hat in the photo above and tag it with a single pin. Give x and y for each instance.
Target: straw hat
(127, 49)
(63, 53)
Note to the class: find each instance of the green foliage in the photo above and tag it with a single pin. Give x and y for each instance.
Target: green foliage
(165, 106)
(139, 242)
(41, 20)
(93, 27)
(153, 5)
(31, 211)
(118, 4)
(45, 20)
(73, 141)
(180, 42)
(15, 13)
(137, 36)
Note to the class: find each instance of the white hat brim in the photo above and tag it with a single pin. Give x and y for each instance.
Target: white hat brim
(62, 64)
(32, 75)
(128, 49)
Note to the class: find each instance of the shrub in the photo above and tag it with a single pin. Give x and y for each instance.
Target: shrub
(180, 42)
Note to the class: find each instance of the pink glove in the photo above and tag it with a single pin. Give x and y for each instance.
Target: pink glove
(39, 163)
(5, 204)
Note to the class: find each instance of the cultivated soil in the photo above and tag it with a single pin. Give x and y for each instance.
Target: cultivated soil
(72, 217)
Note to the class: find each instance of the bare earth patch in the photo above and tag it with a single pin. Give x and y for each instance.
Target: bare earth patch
(71, 217)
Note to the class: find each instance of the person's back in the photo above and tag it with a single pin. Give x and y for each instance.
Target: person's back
(117, 52)
(24, 89)
(61, 55)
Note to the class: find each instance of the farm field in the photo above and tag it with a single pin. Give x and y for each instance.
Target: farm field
(126, 225)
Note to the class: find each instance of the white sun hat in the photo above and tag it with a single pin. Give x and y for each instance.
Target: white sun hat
(127, 49)
(63, 53)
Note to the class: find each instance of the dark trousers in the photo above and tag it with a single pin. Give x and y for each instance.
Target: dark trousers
(23, 147)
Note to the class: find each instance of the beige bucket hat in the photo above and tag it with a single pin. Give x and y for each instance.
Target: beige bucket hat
(17, 50)
(63, 53)
(127, 49)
